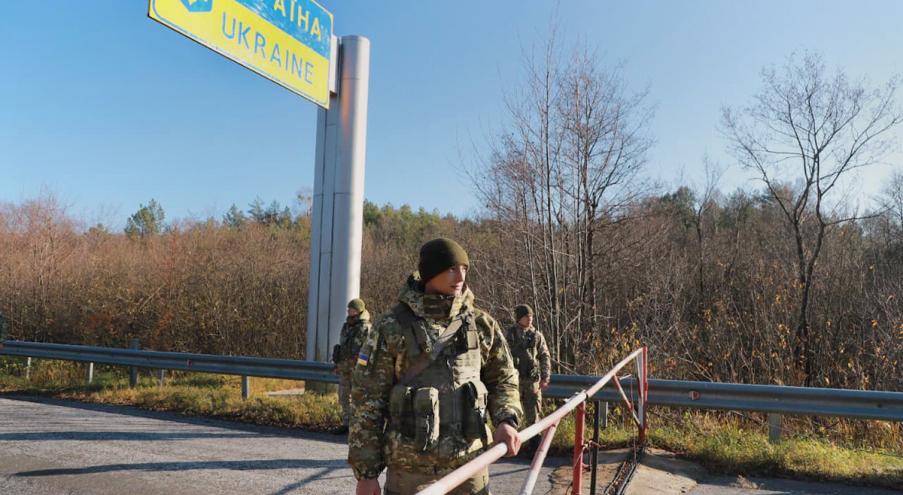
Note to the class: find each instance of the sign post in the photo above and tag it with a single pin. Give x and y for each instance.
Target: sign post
(338, 202)
(291, 43)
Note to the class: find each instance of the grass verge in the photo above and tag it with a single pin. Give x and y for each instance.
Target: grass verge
(194, 394)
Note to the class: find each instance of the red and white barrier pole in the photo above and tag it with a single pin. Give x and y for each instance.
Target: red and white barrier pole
(538, 458)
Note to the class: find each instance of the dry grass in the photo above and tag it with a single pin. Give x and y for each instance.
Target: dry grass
(193, 394)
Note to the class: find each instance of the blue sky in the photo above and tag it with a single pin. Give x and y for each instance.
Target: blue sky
(108, 109)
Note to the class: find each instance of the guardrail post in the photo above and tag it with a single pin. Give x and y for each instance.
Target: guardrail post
(605, 415)
(133, 371)
(245, 387)
(90, 373)
(774, 428)
(161, 377)
(27, 369)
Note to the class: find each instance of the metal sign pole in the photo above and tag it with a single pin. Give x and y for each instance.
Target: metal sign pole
(338, 201)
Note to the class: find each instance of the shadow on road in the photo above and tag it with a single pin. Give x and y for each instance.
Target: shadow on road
(320, 475)
(274, 431)
(328, 465)
(140, 436)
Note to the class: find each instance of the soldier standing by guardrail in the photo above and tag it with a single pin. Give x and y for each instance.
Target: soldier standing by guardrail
(533, 363)
(355, 332)
(434, 372)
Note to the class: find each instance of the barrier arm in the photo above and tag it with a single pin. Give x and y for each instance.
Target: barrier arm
(497, 451)
(538, 459)
(627, 402)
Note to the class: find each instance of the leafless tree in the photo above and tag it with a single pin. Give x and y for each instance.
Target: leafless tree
(563, 173)
(892, 202)
(810, 128)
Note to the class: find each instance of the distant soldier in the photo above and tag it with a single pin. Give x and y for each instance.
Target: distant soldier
(435, 372)
(532, 360)
(355, 332)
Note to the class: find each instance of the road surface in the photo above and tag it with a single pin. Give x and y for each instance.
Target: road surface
(56, 447)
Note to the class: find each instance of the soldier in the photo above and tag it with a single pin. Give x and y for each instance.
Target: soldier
(434, 372)
(355, 331)
(532, 360)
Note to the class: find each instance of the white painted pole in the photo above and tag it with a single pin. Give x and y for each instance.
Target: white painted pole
(338, 203)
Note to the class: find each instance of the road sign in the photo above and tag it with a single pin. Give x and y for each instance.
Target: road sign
(286, 41)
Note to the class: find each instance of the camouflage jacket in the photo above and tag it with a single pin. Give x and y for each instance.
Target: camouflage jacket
(372, 442)
(530, 353)
(355, 332)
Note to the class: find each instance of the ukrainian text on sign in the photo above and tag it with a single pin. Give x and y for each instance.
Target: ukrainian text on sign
(286, 41)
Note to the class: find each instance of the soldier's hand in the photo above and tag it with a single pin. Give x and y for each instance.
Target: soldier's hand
(544, 384)
(367, 487)
(507, 434)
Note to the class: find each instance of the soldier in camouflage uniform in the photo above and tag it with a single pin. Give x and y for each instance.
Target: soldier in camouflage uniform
(432, 375)
(532, 360)
(355, 332)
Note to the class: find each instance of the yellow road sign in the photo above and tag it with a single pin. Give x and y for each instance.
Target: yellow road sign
(286, 41)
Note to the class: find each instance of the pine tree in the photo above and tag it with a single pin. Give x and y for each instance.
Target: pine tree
(148, 220)
(234, 218)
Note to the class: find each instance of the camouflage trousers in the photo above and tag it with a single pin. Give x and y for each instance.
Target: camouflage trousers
(531, 401)
(345, 396)
(399, 482)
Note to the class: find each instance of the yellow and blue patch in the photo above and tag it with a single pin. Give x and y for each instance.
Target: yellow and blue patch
(363, 359)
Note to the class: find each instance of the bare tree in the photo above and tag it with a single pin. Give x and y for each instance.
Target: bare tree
(604, 148)
(703, 206)
(564, 172)
(809, 129)
(892, 202)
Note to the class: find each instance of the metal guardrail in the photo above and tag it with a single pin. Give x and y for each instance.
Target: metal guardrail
(860, 404)
(202, 363)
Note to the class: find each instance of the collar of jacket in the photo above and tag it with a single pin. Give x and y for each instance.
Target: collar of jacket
(521, 330)
(436, 307)
(363, 317)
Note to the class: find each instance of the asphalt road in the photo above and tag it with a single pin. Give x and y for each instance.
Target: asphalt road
(54, 447)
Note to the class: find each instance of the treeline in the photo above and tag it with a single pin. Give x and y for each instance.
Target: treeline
(195, 286)
(788, 284)
(706, 286)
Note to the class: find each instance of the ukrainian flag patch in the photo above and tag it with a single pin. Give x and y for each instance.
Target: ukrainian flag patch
(363, 359)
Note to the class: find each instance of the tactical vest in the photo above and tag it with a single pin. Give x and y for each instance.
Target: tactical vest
(443, 406)
(349, 347)
(523, 351)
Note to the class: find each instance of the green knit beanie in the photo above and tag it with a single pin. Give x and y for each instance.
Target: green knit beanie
(522, 310)
(439, 255)
(357, 304)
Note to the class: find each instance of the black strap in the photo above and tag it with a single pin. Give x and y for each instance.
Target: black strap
(408, 319)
